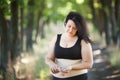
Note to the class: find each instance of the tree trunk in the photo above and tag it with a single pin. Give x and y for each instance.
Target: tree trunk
(117, 12)
(38, 20)
(4, 43)
(14, 27)
(30, 25)
(21, 25)
(40, 26)
(107, 29)
(13, 42)
(94, 14)
(8, 73)
(106, 23)
(113, 22)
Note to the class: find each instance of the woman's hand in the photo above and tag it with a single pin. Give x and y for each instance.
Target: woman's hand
(65, 69)
(54, 68)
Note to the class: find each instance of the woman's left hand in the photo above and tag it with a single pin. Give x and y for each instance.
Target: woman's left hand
(65, 69)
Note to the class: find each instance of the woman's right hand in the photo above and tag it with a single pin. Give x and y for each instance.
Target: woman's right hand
(54, 68)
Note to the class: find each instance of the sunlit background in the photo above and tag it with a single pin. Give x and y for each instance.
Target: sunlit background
(27, 26)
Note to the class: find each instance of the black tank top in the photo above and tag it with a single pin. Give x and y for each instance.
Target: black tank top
(73, 52)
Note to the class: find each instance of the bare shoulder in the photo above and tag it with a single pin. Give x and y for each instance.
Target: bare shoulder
(86, 47)
(53, 39)
(85, 44)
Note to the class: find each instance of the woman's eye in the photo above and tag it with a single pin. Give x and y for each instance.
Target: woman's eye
(74, 28)
(69, 26)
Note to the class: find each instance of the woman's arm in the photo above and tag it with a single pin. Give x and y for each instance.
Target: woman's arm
(50, 58)
(87, 57)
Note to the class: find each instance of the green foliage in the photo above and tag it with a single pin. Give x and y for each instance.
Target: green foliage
(21, 2)
(114, 58)
(1, 74)
(4, 3)
(53, 10)
(41, 69)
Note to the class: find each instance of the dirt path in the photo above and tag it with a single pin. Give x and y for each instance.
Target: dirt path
(102, 69)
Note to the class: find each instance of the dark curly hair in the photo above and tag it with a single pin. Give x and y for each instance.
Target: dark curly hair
(78, 19)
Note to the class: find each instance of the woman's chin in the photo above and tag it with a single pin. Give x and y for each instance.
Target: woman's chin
(71, 35)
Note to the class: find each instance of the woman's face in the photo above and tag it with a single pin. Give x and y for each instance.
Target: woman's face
(71, 28)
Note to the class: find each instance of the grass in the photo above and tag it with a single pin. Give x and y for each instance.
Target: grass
(114, 57)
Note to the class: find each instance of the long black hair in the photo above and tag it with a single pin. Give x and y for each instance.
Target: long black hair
(78, 19)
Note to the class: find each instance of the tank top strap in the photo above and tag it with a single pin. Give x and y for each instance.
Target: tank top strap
(79, 40)
(58, 38)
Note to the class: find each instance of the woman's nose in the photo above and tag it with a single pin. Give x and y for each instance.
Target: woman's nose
(71, 29)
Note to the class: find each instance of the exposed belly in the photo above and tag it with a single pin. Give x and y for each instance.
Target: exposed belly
(65, 63)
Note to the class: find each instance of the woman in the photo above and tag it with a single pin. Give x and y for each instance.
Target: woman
(70, 53)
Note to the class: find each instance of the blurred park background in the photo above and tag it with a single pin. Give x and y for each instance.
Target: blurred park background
(27, 26)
